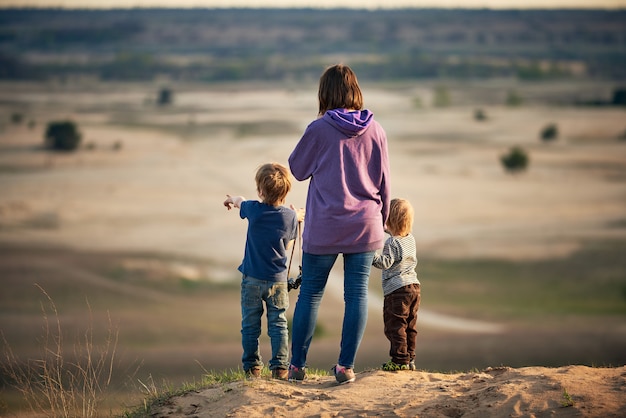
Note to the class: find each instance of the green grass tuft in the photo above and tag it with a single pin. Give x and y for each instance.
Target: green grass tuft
(567, 400)
(157, 397)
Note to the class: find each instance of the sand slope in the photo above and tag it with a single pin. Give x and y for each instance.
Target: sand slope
(572, 391)
(161, 192)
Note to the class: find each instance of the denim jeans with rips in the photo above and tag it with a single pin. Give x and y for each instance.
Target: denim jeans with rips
(315, 271)
(255, 294)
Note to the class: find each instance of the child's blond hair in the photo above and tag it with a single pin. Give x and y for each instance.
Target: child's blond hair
(273, 183)
(400, 221)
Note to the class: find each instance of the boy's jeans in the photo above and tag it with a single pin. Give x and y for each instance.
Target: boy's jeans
(254, 293)
(315, 271)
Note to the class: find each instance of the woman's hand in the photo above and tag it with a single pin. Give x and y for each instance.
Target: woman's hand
(299, 213)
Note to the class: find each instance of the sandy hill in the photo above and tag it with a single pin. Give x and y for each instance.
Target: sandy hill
(572, 391)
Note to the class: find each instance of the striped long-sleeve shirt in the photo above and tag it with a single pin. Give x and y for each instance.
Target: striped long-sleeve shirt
(398, 261)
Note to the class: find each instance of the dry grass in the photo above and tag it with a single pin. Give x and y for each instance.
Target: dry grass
(55, 385)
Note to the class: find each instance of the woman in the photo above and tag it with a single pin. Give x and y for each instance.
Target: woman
(344, 155)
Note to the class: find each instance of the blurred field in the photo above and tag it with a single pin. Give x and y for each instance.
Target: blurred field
(132, 225)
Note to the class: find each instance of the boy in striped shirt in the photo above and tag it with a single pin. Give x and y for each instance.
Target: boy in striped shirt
(401, 287)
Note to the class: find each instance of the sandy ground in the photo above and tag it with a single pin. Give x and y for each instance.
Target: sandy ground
(162, 192)
(574, 391)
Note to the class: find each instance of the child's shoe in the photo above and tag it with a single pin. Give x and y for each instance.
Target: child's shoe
(254, 372)
(280, 374)
(343, 374)
(390, 366)
(296, 374)
(412, 365)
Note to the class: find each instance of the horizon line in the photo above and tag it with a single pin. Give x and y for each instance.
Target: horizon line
(378, 8)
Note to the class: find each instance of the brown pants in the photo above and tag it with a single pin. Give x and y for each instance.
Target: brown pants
(400, 316)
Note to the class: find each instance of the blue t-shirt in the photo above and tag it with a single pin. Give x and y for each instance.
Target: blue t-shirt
(270, 228)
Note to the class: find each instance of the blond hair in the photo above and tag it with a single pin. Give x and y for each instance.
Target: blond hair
(273, 183)
(400, 221)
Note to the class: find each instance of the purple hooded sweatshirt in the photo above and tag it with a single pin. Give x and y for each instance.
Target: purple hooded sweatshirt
(345, 156)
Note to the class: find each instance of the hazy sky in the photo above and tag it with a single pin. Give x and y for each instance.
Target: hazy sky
(494, 4)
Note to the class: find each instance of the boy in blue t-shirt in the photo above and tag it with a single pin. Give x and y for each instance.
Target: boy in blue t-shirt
(272, 228)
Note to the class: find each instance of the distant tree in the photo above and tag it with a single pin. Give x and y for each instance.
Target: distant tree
(442, 97)
(550, 132)
(417, 102)
(480, 115)
(530, 72)
(62, 136)
(515, 160)
(17, 118)
(619, 97)
(513, 99)
(166, 97)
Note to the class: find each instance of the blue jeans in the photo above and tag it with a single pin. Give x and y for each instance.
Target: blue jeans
(254, 293)
(315, 271)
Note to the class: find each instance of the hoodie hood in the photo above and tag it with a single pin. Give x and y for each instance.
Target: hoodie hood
(351, 123)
